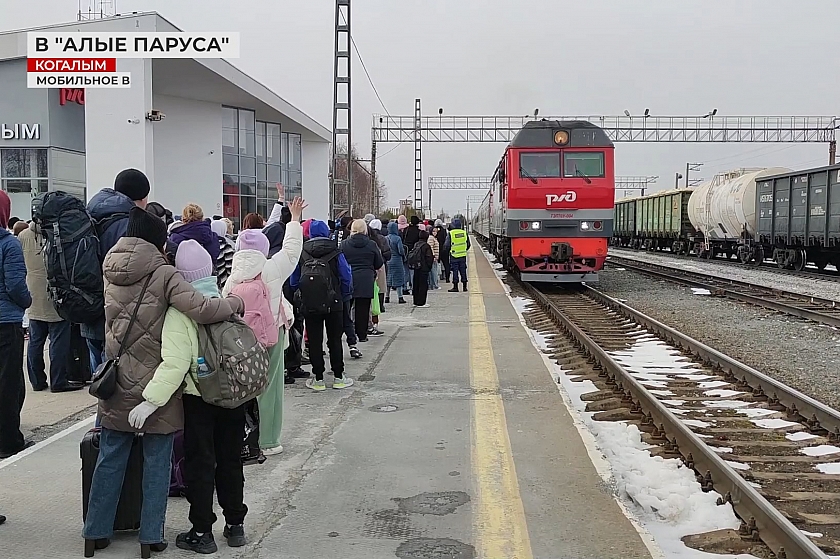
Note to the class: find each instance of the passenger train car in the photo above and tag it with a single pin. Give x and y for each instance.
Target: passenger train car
(549, 212)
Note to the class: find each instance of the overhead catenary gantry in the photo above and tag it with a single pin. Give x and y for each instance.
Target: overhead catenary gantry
(708, 128)
(341, 190)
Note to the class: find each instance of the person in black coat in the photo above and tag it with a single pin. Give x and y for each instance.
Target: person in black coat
(421, 275)
(365, 258)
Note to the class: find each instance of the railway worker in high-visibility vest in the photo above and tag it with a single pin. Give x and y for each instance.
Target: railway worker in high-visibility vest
(459, 244)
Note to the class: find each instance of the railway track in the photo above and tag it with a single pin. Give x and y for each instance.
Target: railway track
(767, 266)
(822, 311)
(758, 443)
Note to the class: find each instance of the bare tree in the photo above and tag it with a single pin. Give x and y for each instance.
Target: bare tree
(361, 183)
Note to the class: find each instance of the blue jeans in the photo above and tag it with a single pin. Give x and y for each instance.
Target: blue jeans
(399, 289)
(97, 352)
(349, 325)
(96, 348)
(434, 276)
(59, 335)
(114, 448)
(459, 265)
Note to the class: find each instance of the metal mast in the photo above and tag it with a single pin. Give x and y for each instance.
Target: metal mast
(418, 160)
(341, 191)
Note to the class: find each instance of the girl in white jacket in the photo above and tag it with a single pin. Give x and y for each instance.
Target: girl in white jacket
(250, 261)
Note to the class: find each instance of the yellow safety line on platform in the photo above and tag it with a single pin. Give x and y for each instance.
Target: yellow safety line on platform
(501, 531)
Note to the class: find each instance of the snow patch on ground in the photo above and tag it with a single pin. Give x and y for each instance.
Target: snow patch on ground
(696, 423)
(774, 423)
(521, 304)
(713, 384)
(757, 412)
(800, 436)
(700, 291)
(820, 450)
(722, 393)
(726, 404)
(738, 465)
(542, 340)
(831, 468)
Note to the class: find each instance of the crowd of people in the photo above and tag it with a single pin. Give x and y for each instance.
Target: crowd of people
(159, 283)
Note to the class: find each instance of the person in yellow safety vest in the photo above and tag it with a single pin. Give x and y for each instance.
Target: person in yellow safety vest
(459, 244)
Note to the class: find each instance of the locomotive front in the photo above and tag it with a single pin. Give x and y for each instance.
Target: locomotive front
(552, 198)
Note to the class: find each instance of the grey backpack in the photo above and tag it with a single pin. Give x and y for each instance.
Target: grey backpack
(237, 363)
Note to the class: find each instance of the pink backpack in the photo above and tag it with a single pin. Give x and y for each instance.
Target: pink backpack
(258, 315)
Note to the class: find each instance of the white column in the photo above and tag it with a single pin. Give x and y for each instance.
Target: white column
(315, 172)
(117, 134)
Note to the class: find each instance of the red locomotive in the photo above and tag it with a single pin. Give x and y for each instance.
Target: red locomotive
(549, 212)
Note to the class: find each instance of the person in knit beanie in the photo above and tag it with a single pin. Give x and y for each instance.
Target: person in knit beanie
(195, 263)
(146, 226)
(251, 264)
(212, 435)
(253, 239)
(110, 208)
(135, 185)
(14, 300)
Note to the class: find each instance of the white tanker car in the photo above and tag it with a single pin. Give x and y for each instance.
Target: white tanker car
(790, 217)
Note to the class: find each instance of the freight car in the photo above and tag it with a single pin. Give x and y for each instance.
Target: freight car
(789, 217)
(549, 212)
(654, 222)
(798, 219)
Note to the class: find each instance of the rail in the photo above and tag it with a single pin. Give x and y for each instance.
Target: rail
(770, 525)
(822, 311)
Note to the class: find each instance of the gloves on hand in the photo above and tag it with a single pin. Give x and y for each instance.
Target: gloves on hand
(141, 412)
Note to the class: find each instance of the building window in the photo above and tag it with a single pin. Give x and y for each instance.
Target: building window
(270, 157)
(24, 170)
(240, 156)
(256, 157)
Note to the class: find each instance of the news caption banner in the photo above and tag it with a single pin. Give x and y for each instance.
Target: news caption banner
(89, 59)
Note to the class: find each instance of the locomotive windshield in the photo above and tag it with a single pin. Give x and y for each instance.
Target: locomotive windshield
(539, 165)
(583, 163)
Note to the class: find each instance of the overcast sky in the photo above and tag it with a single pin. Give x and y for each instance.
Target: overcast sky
(501, 57)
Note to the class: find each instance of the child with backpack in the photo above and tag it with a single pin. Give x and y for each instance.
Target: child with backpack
(259, 281)
(212, 435)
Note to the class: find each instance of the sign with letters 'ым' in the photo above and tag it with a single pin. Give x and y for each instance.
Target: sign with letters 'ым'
(89, 59)
(20, 131)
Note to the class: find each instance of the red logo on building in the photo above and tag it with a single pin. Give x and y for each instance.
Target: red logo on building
(70, 95)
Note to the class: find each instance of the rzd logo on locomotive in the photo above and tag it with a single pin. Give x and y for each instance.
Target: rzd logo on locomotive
(569, 196)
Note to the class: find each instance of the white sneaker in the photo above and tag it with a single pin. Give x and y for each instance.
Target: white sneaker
(272, 451)
(426, 306)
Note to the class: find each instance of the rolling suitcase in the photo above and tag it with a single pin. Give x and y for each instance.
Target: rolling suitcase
(78, 358)
(131, 498)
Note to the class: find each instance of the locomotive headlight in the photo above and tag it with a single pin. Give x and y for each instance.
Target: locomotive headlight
(585, 226)
(535, 225)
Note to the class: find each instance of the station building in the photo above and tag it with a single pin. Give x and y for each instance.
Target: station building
(225, 142)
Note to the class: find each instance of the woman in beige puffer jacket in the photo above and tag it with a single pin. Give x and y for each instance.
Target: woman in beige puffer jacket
(134, 258)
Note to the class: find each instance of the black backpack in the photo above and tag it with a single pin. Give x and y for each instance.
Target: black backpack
(415, 258)
(316, 287)
(71, 255)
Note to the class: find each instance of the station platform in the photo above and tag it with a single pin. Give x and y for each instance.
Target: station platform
(453, 443)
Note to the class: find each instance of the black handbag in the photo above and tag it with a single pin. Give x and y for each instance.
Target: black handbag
(104, 381)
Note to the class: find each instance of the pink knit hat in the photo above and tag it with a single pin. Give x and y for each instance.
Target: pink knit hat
(253, 239)
(193, 261)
